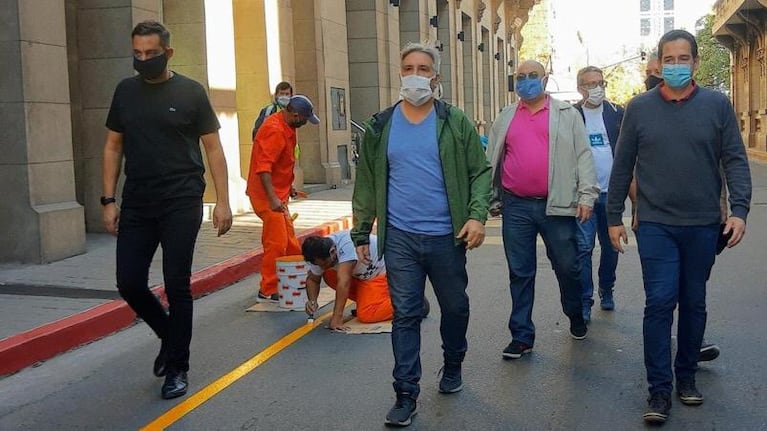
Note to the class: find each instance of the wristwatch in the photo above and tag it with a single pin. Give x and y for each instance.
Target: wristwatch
(106, 201)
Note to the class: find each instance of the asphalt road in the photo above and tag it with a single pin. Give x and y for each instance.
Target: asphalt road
(331, 381)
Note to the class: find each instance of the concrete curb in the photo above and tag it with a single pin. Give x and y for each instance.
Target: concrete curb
(46, 341)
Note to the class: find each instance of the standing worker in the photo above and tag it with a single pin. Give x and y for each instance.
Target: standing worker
(270, 186)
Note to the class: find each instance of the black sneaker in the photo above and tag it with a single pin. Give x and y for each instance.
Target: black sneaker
(451, 378)
(516, 349)
(658, 407)
(708, 352)
(403, 411)
(606, 301)
(578, 329)
(688, 393)
(273, 297)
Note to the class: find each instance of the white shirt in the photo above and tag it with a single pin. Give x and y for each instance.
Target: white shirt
(600, 145)
(347, 253)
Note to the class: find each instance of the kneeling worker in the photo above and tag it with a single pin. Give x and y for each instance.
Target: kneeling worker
(334, 258)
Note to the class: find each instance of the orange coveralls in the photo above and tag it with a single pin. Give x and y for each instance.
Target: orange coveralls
(273, 152)
(371, 296)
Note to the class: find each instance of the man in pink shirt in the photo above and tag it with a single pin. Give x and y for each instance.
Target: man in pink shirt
(543, 183)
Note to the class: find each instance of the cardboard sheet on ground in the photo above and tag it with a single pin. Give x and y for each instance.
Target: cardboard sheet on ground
(327, 295)
(357, 327)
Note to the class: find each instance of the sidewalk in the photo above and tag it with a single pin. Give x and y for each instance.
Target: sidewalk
(48, 309)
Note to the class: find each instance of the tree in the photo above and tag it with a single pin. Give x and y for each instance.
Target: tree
(623, 83)
(714, 70)
(536, 43)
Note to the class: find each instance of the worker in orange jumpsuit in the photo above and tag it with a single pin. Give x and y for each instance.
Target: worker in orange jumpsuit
(334, 259)
(270, 186)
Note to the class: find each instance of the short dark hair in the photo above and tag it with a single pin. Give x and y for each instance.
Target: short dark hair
(316, 247)
(148, 28)
(284, 85)
(676, 35)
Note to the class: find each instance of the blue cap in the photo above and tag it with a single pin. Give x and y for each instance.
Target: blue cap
(302, 106)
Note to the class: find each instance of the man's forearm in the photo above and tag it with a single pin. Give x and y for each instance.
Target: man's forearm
(266, 181)
(220, 174)
(312, 289)
(342, 294)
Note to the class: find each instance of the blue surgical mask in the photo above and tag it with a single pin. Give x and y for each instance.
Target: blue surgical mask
(528, 89)
(677, 75)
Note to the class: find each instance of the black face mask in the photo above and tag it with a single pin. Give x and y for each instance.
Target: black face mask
(297, 124)
(652, 81)
(151, 68)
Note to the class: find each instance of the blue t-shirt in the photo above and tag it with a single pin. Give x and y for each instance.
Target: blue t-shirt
(417, 199)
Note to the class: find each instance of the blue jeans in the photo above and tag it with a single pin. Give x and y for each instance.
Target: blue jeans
(608, 261)
(410, 258)
(523, 220)
(676, 261)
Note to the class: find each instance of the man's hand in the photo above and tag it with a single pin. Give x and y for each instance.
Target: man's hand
(111, 216)
(222, 218)
(618, 234)
(737, 226)
(311, 307)
(276, 205)
(337, 324)
(583, 213)
(472, 233)
(363, 254)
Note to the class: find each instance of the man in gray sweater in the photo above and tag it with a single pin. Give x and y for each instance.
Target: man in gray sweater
(677, 136)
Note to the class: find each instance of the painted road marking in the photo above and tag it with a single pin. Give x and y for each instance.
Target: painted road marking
(208, 392)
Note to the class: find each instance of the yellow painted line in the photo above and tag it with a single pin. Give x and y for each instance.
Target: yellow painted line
(196, 400)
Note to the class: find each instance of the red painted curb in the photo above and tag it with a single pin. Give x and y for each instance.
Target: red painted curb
(46, 341)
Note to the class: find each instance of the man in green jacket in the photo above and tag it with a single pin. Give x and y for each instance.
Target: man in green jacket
(423, 177)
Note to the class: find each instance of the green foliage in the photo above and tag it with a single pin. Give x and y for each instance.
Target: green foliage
(714, 70)
(623, 83)
(536, 44)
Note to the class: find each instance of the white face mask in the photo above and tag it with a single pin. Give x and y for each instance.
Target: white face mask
(596, 96)
(416, 89)
(283, 101)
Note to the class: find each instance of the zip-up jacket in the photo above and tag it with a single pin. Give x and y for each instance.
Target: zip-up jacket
(572, 180)
(464, 168)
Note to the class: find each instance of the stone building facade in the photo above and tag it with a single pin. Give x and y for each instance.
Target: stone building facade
(63, 58)
(741, 26)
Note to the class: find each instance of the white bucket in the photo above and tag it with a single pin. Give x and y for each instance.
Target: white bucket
(291, 270)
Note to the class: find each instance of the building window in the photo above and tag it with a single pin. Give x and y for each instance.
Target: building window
(644, 5)
(668, 24)
(644, 27)
(668, 4)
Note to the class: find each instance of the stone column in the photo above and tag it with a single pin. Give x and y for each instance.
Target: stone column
(40, 219)
(100, 57)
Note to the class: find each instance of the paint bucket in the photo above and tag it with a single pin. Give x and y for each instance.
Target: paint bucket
(291, 270)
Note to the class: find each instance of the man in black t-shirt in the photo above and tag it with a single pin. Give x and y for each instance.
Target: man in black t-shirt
(156, 122)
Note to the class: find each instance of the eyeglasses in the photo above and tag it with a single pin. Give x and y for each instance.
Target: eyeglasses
(593, 85)
(531, 75)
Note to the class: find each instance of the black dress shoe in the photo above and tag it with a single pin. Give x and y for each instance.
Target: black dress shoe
(175, 384)
(159, 369)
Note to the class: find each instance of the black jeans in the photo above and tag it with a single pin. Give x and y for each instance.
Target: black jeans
(174, 224)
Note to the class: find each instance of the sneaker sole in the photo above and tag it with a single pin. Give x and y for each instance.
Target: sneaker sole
(575, 337)
(452, 391)
(691, 401)
(516, 355)
(657, 418)
(607, 308)
(409, 420)
(708, 354)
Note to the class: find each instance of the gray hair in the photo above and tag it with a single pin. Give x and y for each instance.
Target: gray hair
(420, 47)
(586, 70)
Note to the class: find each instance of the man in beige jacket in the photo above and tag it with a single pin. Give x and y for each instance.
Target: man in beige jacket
(543, 183)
